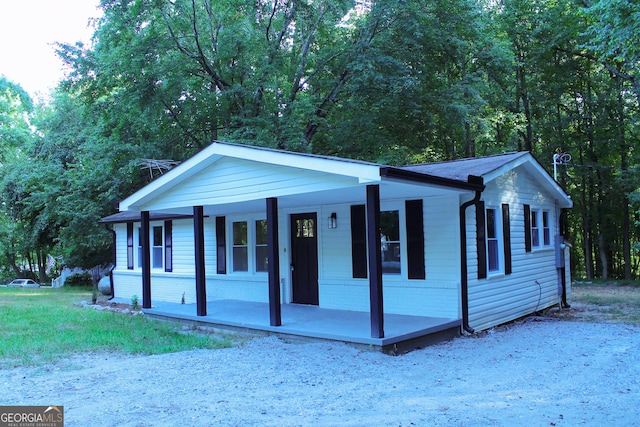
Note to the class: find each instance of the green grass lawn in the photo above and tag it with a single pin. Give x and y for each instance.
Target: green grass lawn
(42, 325)
(614, 301)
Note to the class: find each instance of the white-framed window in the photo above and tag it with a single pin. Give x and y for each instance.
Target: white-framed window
(249, 252)
(390, 242)
(402, 241)
(240, 250)
(493, 223)
(157, 247)
(262, 254)
(535, 229)
(156, 238)
(139, 247)
(546, 229)
(540, 228)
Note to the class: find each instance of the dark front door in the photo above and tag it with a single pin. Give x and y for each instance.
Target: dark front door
(304, 258)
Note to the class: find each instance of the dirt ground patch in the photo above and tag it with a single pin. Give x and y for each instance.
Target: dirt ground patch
(602, 303)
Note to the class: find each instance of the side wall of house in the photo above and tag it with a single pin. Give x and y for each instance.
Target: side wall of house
(533, 283)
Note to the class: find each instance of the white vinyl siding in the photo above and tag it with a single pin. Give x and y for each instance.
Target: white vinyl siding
(533, 283)
(235, 180)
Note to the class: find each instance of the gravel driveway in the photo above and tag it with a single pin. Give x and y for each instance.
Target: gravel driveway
(531, 373)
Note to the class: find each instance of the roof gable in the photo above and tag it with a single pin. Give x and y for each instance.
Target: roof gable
(232, 180)
(209, 158)
(492, 167)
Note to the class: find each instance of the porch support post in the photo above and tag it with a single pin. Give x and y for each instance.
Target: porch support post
(375, 261)
(198, 234)
(146, 259)
(273, 268)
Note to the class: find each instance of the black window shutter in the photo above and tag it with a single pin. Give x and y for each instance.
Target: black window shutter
(415, 239)
(168, 246)
(481, 243)
(130, 246)
(506, 238)
(359, 241)
(221, 245)
(527, 228)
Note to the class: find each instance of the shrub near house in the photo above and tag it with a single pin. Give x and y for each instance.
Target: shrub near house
(79, 279)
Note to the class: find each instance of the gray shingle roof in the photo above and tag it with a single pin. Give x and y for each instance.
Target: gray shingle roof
(130, 216)
(461, 169)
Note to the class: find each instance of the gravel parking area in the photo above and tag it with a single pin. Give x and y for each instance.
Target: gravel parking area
(537, 372)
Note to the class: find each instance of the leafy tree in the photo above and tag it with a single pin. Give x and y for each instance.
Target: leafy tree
(397, 83)
(16, 108)
(25, 237)
(614, 40)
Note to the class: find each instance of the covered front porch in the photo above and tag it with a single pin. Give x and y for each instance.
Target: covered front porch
(402, 333)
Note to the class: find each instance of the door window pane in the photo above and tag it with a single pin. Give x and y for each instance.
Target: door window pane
(305, 228)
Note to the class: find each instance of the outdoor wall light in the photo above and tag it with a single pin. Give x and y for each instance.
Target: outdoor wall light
(333, 221)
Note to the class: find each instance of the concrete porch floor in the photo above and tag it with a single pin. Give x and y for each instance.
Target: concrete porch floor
(402, 333)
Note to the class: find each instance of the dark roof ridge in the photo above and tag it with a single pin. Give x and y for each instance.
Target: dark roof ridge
(299, 153)
(466, 159)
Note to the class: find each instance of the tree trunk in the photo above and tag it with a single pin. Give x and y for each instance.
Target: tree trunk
(470, 143)
(30, 262)
(626, 226)
(587, 246)
(603, 257)
(12, 259)
(626, 238)
(41, 260)
(586, 235)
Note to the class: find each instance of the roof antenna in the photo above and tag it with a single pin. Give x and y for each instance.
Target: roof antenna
(559, 158)
(157, 165)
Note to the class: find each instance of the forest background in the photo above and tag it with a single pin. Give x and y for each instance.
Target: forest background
(395, 82)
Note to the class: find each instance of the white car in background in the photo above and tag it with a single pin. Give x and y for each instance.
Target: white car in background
(24, 283)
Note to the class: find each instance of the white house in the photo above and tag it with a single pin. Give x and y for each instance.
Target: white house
(476, 241)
